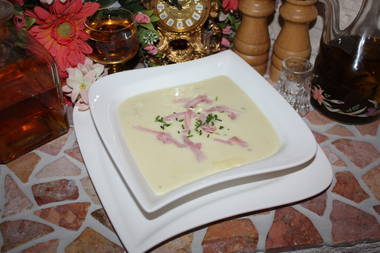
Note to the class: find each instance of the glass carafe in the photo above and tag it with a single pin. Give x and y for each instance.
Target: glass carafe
(32, 111)
(346, 85)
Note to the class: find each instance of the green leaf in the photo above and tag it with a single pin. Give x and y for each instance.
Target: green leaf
(148, 26)
(154, 19)
(148, 12)
(29, 22)
(231, 18)
(236, 26)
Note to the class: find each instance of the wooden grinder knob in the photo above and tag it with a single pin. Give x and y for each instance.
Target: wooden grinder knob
(252, 40)
(293, 39)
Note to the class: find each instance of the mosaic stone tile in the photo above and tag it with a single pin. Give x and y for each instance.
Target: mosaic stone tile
(24, 165)
(350, 224)
(75, 153)
(348, 187)
(15, 200)
(45, 247)
(359, 152)
(231, 236)
(178, 245)
(319, 137)
(19, 232)
(340, 131)
(54, 191)
(333, 157)
(90, 190)
(61, 167)
(290, 228)
(369, 129)
(316, 204)
(101, 216)
(317, 119)
(55, 146)
(69, 216)
(91, 241)
(372, 180)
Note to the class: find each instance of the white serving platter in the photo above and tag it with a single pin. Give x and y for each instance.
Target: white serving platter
(297, 144)
(140, 231)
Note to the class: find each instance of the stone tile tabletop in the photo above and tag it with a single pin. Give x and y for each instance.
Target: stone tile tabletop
(48, 204)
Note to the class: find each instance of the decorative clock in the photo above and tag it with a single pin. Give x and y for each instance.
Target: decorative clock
(186, 28)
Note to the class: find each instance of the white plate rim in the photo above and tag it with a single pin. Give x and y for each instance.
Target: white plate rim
(298, 143)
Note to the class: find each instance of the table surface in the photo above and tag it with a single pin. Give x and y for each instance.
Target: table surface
(48, 204)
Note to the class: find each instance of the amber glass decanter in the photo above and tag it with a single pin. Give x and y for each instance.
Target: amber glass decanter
(32, 110)
(346, 86)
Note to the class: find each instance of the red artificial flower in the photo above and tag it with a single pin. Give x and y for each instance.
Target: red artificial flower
(230, 5)
(60, 30)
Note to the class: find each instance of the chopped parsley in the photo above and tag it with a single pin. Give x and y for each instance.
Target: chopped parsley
(163, 123)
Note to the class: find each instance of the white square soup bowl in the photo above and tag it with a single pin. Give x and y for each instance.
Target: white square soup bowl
(297, 144)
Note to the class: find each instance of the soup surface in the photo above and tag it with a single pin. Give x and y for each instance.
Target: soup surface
(184, 133)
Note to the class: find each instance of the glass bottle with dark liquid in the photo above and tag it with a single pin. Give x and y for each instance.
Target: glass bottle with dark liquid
(32, 111)
(346, 85)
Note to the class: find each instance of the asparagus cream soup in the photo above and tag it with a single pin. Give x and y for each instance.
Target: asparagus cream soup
(181, 134)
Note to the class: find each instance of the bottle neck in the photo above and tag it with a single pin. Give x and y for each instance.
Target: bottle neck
(367, 22)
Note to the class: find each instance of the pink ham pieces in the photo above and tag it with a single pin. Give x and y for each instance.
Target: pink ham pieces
(205, 121)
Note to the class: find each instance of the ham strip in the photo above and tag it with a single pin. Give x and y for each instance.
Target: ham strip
(209, 129)
(186, 116)
(195, 101)
(189, 115)
(172, 117)
(232, 114)
(162, 136)
(232, 141)
(195, 148)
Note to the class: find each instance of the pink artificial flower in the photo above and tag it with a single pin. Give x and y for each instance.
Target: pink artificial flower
(225, 42)
(141, 18)
(19, 2)
(60, 31)
(318, 94)
(19, 21)
(79, 81)
(230, 5)
(227, 30)
(151, 49)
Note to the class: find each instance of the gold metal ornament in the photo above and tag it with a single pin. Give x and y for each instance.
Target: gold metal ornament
(187, 29)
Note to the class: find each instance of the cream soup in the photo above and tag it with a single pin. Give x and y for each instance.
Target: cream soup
(180, 134)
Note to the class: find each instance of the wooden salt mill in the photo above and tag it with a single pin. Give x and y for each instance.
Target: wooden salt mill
(252, 40)
(293, 39)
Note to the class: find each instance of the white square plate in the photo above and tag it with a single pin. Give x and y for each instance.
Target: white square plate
(139, 231)
(297, 144)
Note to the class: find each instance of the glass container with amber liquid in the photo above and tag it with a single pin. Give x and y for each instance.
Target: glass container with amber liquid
(113, 37)
(32, 110)
(346, 83)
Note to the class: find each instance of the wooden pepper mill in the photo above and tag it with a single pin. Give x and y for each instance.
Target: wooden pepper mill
(252, 40)
(293, 39)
